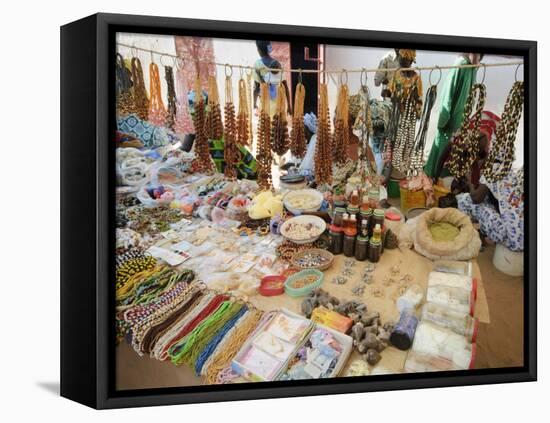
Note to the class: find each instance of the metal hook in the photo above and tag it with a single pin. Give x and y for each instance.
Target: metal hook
(362, 81)
(152, 56)
(134, 51)
(344, 72)
(484, 71)
(241, 72)
(516, 72)
(300, 76)
(440, 75)
(179, 62)
(225, 68)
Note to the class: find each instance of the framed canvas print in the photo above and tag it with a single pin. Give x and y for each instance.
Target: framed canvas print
(256, 211)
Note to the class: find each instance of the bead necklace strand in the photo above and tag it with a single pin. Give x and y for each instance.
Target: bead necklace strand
(502, 153)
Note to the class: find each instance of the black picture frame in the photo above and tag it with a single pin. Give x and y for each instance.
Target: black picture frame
(87, 210)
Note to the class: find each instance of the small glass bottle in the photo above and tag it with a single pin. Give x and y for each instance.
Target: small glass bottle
(336, 234)
(365, 214)
(374, 251)
(345, 220)
(361, 248)
(338, 217)
(364, 230)
(377, 217)
(377, 233)
(349, 245)
(354, 199)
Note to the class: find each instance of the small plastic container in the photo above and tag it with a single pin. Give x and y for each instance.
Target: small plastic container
(303, 291)
(458, 322)
(453, 266)
(272, 285)
(403, 333)
(454, 298)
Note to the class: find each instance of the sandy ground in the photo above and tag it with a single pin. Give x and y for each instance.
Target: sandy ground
(500, 343)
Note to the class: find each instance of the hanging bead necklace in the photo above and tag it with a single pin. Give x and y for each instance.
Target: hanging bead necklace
(157, 111)
(124, 100)
(416, 163)
(340, 139)
(141, 102)
(230, 149)
(203, 161)
(465, 143)
(323, 148)
(279, 124)
(297, 135)
(243, 118)
(214, 125)
(363, 124)
(407, 97)
(502, 153)
(171, 93)
(264, 140)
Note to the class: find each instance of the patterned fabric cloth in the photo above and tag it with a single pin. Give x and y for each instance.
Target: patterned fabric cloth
(247, 167)
(150, 135)
(381, 111)
(507, 226)
(389, 61)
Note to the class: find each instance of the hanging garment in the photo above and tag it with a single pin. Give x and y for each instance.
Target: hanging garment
(183, 123)
(453, 98)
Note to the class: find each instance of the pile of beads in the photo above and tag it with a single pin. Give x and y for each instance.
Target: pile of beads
(311, 260)
(304, 281)
(130, 263)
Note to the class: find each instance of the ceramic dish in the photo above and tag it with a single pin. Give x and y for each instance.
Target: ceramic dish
(303, 200)
(303, 229)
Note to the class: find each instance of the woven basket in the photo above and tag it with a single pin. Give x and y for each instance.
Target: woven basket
(324, 253)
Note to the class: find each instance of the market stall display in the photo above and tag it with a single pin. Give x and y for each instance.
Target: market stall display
(294, 276)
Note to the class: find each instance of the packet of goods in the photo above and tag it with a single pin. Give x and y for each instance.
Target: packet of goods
(452, 266)
(453, 280)
(438, 348)
(332, 319)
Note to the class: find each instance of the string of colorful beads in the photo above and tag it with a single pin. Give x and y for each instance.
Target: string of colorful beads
(264, 140)
(243, 118)
(230, 150)
(279, 124)
(297, 134)
(214, 125)
(323, 148)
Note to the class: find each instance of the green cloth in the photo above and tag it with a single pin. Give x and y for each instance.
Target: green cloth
(453, 98)
(247, 167)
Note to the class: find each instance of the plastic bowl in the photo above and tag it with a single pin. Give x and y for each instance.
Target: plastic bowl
(301, 292)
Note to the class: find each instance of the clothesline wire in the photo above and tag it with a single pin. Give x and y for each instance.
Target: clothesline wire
(230, 67)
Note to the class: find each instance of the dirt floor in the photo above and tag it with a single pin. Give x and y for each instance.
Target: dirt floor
(500, 343)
